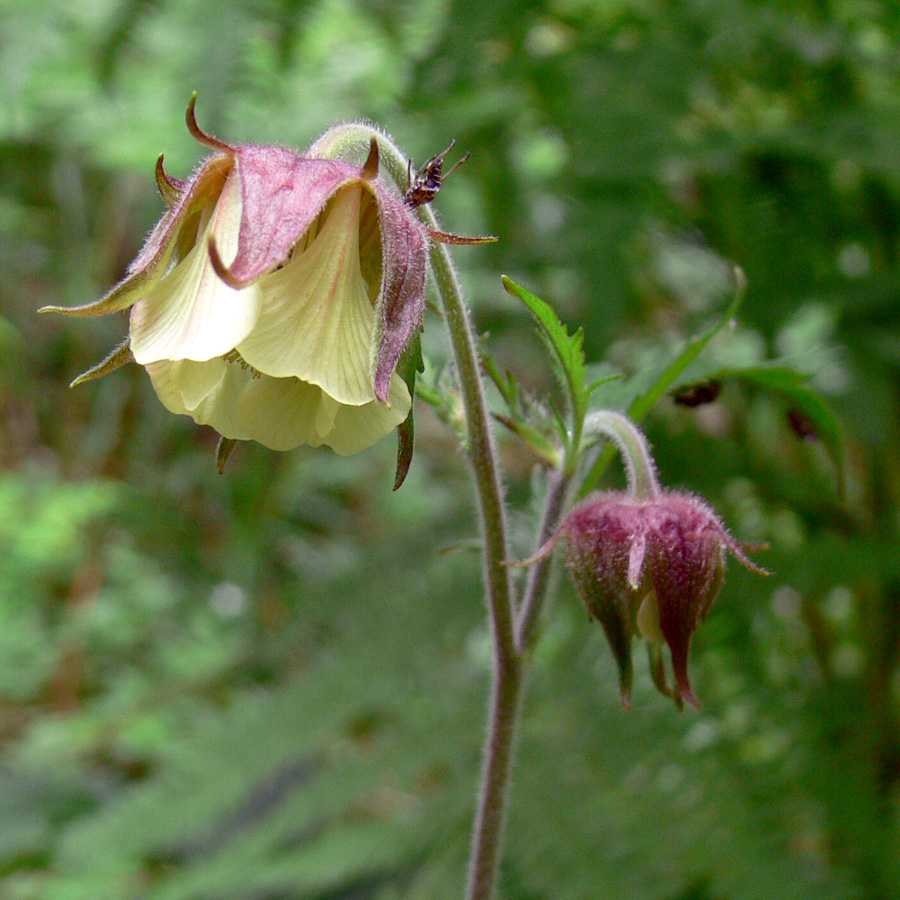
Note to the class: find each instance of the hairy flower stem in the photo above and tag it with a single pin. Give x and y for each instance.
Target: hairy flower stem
(511, 638)
(483, 456)
(513, 634)
(538, 584)
(632, 445)
(507, 681)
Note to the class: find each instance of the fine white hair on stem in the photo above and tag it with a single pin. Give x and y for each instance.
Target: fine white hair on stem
(632, 445)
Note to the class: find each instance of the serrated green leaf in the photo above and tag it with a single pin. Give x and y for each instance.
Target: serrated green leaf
(567, 351)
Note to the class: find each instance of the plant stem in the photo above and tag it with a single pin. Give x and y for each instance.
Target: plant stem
(632, 445)
(483, 456)
(507, 674)
(509, 662)
(513, 635)
(512, 638)
(538, 583)
(487, 835)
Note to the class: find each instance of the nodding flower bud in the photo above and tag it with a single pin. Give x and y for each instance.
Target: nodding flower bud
(649, 566)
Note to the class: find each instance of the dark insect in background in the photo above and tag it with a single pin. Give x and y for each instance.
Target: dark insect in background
(697, 394)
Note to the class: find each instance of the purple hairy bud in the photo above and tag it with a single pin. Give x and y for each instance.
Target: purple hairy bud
(649, 566)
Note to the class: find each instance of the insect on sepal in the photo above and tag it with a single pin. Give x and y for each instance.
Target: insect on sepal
(423, 188)
(424, 185)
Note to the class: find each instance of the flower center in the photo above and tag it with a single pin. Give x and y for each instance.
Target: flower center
(235, 357)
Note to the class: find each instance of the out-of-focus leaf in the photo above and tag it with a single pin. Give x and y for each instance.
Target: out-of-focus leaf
(660, 382)
(792, 385)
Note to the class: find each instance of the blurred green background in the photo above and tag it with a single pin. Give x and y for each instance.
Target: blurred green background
(270, 684)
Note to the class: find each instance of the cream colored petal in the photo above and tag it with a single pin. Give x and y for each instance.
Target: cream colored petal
(279, 413)
(358, 427)
(316, 322)
(172, 381)
(191, 313)
(326, 414)
(207, 391)
(648, 619)
(283, 413)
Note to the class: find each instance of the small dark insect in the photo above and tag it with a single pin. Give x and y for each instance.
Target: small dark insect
(697, 394)
(801, 424)
(424, 185)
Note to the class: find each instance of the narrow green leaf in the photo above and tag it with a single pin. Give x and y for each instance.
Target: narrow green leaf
(406, 432)
(115, 360)
(432, 396)
(643, 404)
(601, 381)
(447, 407)
(533, 438)
(775, 377)
(505, 384)
(223, 451)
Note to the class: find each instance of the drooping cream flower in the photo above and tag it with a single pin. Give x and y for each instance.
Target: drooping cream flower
(274, 298)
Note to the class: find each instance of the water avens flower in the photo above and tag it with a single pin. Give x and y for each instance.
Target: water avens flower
(275, 297)
(649, 566)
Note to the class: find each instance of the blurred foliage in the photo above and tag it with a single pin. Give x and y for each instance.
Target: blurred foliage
(270, 684)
